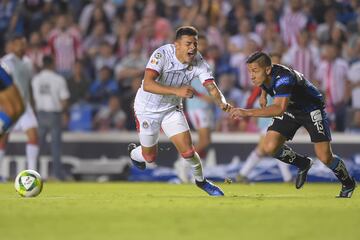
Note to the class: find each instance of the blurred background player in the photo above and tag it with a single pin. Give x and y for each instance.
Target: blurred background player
(158, 103)
(199, 109)
(258, 153)
(20, 68)
(51, 96)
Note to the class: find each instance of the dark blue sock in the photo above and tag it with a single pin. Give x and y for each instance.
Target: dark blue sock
(340, 171)
(287, 155)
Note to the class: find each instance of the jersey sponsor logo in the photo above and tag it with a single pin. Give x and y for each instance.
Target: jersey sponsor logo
(317, 118)
(282, 81)
(154, 61)
(145, 124)
(158, 55)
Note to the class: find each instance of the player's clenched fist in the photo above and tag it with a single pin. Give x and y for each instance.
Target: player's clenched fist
(185, 92)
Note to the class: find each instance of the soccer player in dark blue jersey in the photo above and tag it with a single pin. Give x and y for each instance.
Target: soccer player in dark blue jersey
(11, 103)
(296, 103)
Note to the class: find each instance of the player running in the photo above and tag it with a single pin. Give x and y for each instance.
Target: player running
(20, 67)
(296, 103)
(158, 103)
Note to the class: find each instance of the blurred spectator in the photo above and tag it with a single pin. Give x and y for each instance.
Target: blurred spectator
(110, 116)
(65, 45)
(323, 31)
(303, 56)
(8, 20)
(51, 94)
(98, 16)
(123, 40)
(105, 57)
(78, 83)
(36, 50)
(237, 43)
(131, 66)
(105, 86)
(332, 75)
(238, 61)
(88, 12)
(128, 102)
(93, 42)
(292, 22)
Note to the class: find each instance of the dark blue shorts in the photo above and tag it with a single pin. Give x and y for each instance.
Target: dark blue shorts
(316, 123)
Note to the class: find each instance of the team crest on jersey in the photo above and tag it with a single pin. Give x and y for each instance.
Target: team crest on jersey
(154, 61)
(158, 55)
(145, 124)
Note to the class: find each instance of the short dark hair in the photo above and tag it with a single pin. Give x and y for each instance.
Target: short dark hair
(48, 61)
(186, 30)
(261, 58)
(14, 36)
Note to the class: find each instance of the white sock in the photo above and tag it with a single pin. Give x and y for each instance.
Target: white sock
(196, 166)
(285, 171)
(250, 163)
(2, 154)
(32, 153)
(136, 154)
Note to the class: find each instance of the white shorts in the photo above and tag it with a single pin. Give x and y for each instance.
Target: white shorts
(172, 122)
(201, 118)
(26, 121)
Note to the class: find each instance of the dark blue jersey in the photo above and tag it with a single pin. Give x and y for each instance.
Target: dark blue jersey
(5, 79)
(286, 82)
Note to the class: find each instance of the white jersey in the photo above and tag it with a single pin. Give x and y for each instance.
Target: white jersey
(21, 71)
(171, 73)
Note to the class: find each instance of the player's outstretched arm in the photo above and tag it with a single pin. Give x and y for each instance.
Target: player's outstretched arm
(217, 96)
(276, 109)
(150, 85)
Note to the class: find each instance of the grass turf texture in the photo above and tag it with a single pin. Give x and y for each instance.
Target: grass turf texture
(163, 211)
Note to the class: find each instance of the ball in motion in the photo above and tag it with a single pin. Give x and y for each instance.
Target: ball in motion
(28, 183)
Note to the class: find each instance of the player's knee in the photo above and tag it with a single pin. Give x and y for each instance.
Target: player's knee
(270, 149)
(189, 153)
(149, 157)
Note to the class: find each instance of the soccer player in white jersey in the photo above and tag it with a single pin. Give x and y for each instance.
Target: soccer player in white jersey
(20, 67)
(158, 102)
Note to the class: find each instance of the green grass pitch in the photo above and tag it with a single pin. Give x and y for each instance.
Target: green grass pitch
(157, 211)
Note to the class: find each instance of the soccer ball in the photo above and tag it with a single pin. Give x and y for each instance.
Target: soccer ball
(28, 183)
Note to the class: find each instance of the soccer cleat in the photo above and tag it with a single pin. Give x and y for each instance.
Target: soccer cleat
(347, 191)
(139, 165)
(302, 174)
(209, 188)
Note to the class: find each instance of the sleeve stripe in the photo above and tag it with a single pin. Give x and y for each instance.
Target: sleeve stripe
(208, 81)
(152, 70)
(282, 95)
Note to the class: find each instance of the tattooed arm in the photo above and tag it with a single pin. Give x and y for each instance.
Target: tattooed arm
(217, 96)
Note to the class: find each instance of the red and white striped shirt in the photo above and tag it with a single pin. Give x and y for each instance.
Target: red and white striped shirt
(291, 23)
(303, 60)
(333, 78)
(66, 47)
